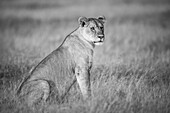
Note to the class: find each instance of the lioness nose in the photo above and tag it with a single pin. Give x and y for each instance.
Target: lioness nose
(100, 36)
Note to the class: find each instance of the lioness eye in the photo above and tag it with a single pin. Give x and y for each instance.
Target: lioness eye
(101, 28)
(92, 28)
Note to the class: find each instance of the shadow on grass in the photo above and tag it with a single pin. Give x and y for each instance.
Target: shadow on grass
(10, 77)
(11, 73)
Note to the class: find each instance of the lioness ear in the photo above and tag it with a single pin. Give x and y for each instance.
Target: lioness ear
(102, 19)
(83, 21)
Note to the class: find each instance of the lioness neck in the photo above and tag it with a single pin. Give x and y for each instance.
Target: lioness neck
(77, 37)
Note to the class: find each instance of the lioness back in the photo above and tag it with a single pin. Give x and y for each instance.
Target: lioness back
(54, 67)
(71, 61)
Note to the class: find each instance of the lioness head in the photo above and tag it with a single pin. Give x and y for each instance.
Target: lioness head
(92, 29)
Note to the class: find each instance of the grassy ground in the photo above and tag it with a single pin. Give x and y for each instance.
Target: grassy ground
(131, 71)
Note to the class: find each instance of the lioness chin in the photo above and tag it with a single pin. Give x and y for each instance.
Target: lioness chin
(71, 60)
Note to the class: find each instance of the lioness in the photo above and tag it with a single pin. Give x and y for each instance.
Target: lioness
(71, 60)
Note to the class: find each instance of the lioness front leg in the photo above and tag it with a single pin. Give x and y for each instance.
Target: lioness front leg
(83, 79)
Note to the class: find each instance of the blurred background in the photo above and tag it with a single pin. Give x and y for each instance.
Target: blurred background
(131, 69)
(36, 27)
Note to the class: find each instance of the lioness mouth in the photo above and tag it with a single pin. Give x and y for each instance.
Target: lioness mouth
(100, 41)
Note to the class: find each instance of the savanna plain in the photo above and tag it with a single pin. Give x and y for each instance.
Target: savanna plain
(131, 70)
